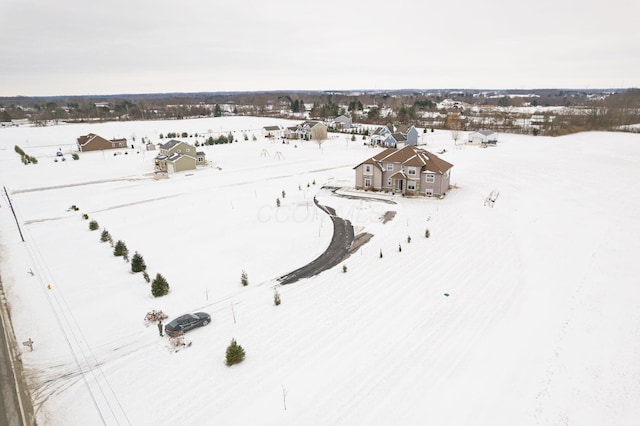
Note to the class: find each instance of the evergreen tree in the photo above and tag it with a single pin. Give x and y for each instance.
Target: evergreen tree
(120, 249)
(244, 278)
(137, 263)
(105, 236)
(235, 353)
(93, 225)
(159, 286)
(427, 234)
(276, 298)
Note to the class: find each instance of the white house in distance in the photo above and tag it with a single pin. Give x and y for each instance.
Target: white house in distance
(272, 132)
(483, 137)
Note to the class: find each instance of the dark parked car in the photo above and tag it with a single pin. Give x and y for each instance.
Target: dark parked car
(187, 322)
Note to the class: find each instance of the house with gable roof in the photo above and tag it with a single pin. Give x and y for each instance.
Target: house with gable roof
(93, 142)
(308, 130)
(312, 130)
(384, 136)
(176, 156)
(409, 171)
(380, 135)
(272, 132)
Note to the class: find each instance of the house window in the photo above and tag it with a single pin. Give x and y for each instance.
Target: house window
(389, 182)
(367, 168)
(367, 182)
(188, 150)
(411, 171)
(390, 167)
(428, 192)
(179, 151)
(411, 185)
(429, 178)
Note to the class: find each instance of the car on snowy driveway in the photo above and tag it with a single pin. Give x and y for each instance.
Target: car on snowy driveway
(187, 322)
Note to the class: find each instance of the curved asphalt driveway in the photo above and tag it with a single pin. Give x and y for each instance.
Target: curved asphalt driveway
(337, 251)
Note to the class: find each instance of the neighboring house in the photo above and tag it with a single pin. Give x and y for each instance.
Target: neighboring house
(395, 140)
(410, 171)
(291, 132)
(412, 136)
(383, 136)
(272, 132)
(380, 135)
(177, 156)
(342, 122)
(312, 130)
(308, 130)
(483, 137)
(93, 142)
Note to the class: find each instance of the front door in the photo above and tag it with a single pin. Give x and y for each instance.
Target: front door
(399, 184)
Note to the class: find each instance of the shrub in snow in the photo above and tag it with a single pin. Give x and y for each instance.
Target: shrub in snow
(284, 194)
(276, 298)
(146, 276)
(93, 225)
(235, 353)
(380, 253)
(105, 236)
(159, 286)
(399, 247)
(409, 239)
(75, 156)
(244, 279)
(155, 316)
(278, 202)
(120, 249)
(427, 234)
(344, 268)
(85, 216)
(137, 263)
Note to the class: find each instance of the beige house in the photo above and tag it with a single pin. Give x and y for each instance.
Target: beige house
(308, 130)
(93, 142)
(176, 156)
(410, 171)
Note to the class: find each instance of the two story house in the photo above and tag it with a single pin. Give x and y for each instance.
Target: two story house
(410, 171)
(177, 156)
(308, 130)
(383, 136)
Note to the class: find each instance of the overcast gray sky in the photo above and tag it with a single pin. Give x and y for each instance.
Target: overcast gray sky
(79, 47)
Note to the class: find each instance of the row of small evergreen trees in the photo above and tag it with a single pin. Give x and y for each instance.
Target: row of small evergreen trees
(159, 285)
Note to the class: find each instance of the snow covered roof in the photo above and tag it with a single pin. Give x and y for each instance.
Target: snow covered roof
(410, 156)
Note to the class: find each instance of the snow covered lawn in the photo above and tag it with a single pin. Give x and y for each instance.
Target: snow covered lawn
(540, 325)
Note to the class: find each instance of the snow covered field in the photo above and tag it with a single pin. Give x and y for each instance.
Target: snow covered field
(541, 325)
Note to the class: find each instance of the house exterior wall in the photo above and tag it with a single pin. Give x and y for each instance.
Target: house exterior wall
(375, 176)
(182, 148)
(183, 163)
(439, 186)
(412, 136)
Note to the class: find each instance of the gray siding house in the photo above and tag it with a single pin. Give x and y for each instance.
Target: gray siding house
(408, 171)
